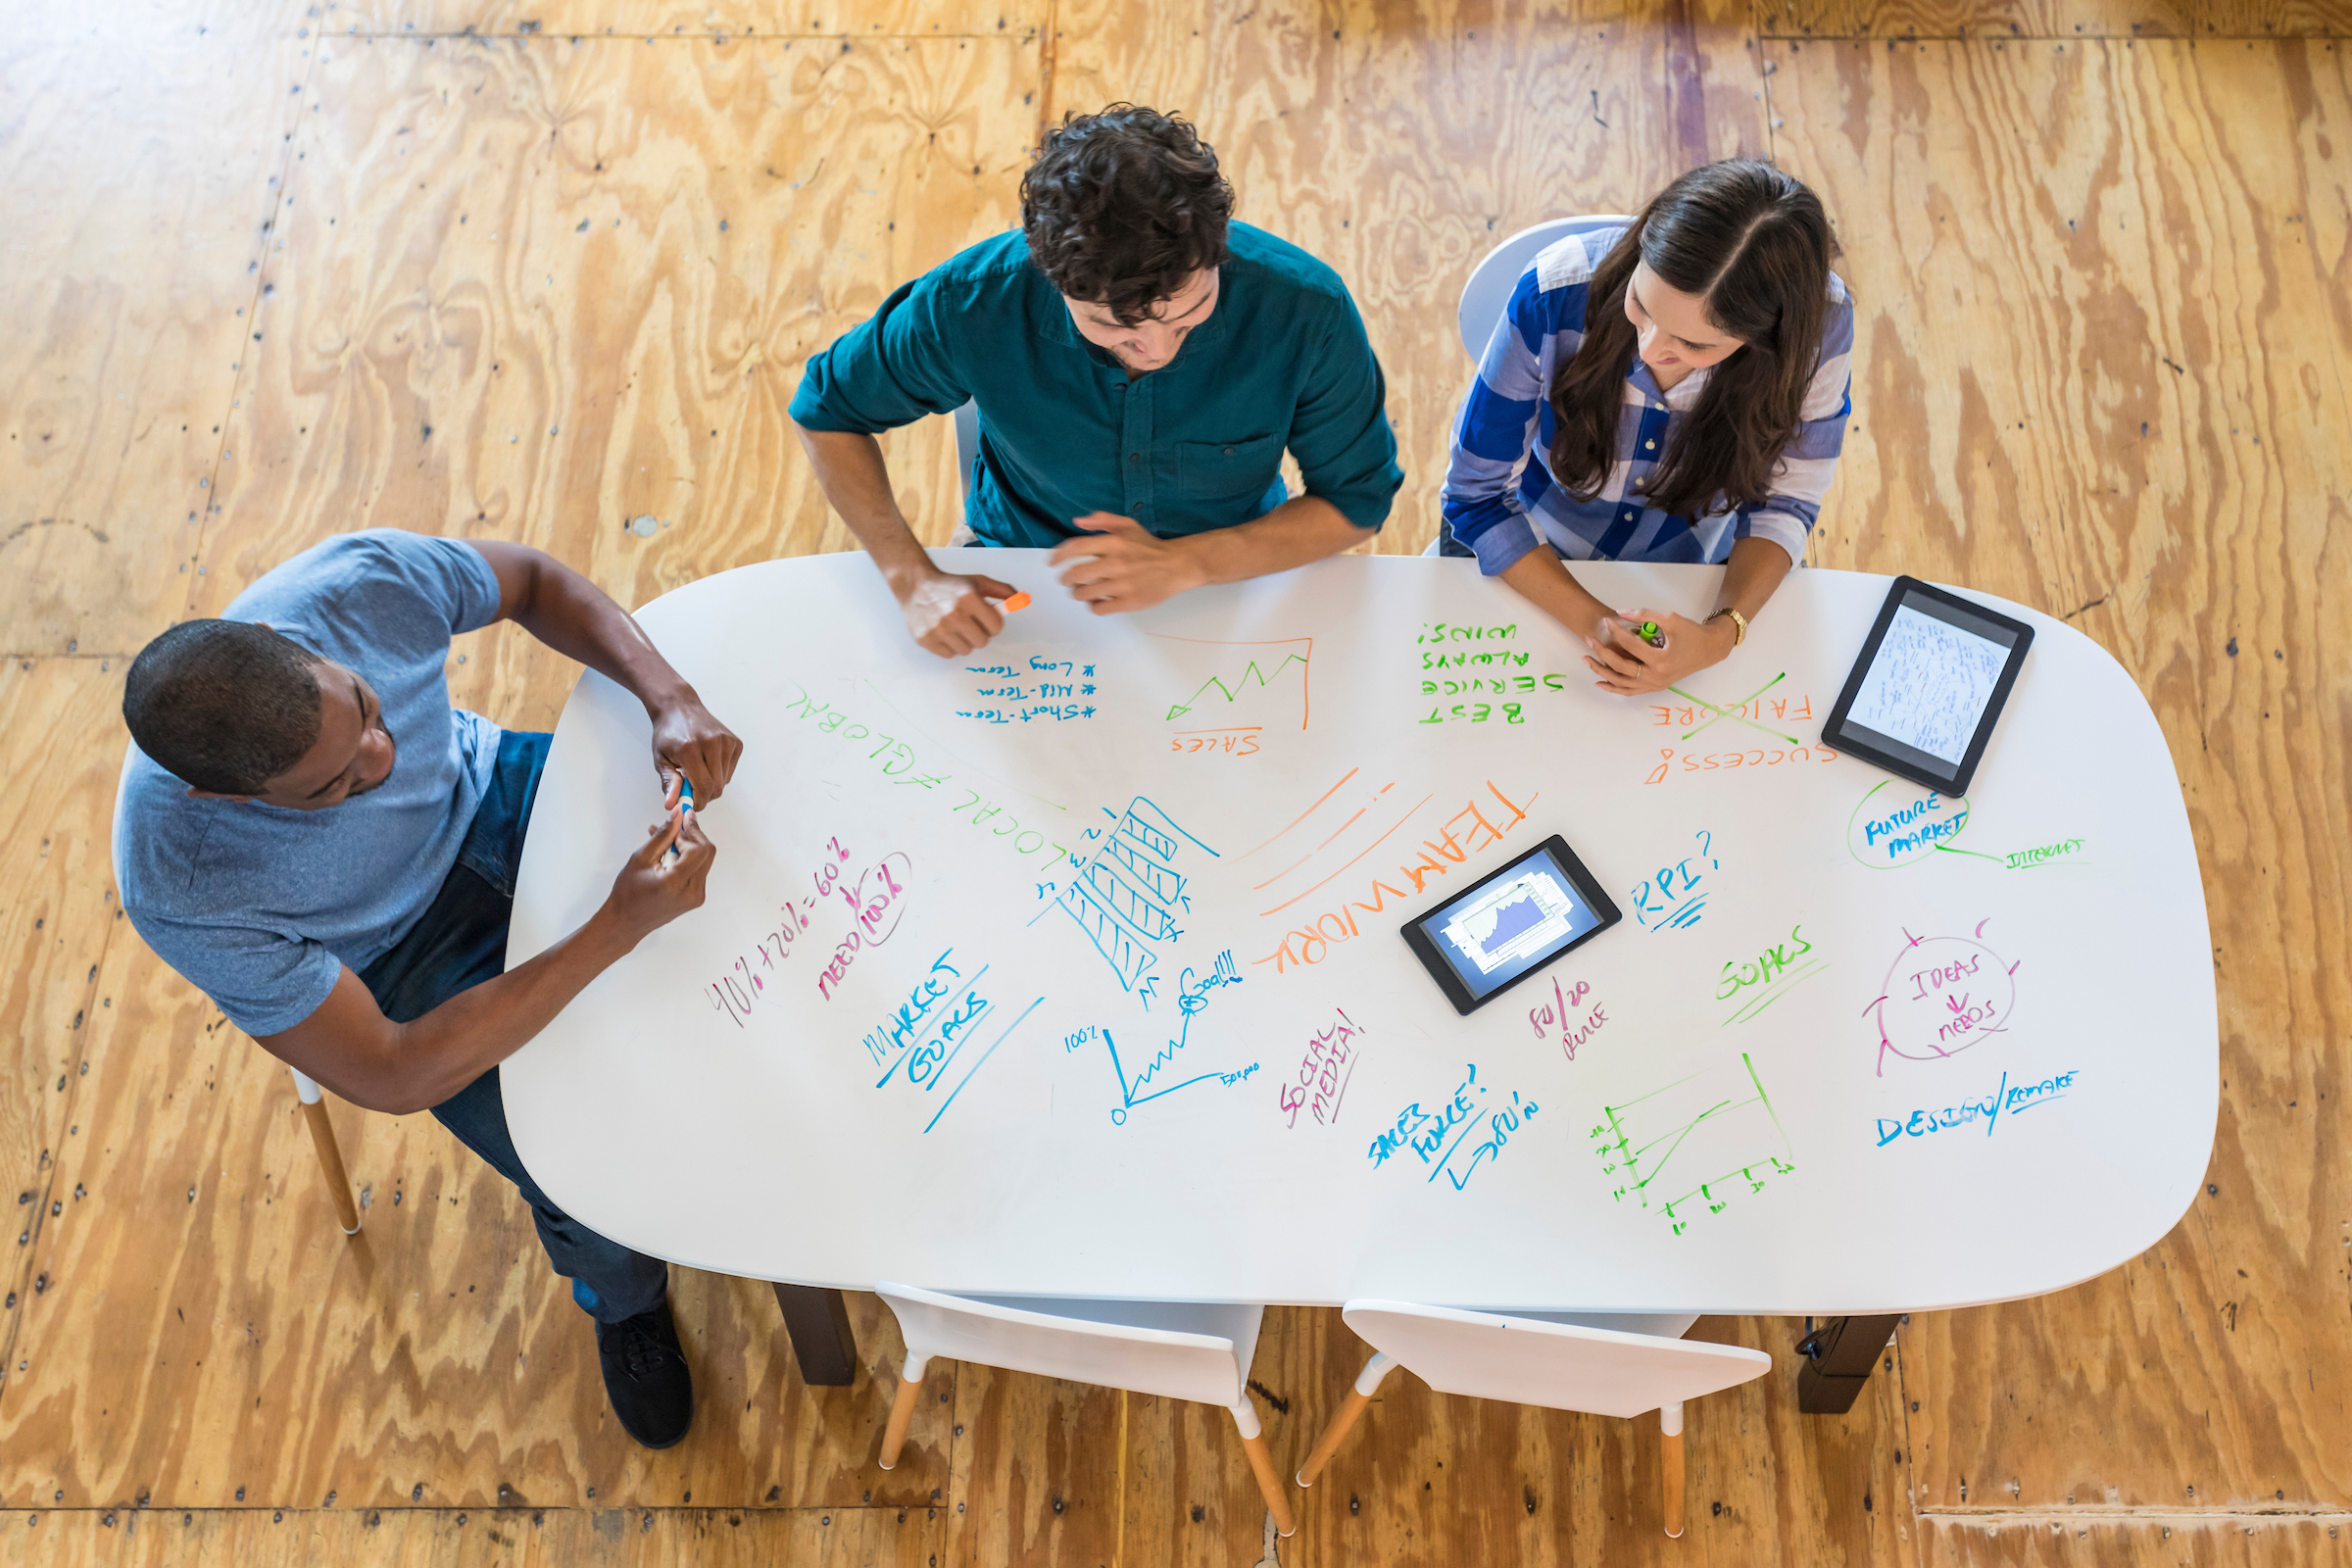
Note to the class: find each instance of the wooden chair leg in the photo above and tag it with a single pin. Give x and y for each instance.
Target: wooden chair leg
(1669, 1427)
(1261, 1465)
(902, 1410)
(331, 1157)
(1367, 1382)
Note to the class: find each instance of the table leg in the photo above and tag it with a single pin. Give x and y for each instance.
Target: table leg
(818, 1321)
(1839, 1357)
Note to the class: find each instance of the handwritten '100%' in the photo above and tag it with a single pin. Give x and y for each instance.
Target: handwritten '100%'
(874, 901)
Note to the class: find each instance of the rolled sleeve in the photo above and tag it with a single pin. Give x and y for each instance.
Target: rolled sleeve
(1340, 432)
(889, 370)
(1499, 546)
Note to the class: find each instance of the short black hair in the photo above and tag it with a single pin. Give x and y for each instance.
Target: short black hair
(1122, 208)
(224, 704)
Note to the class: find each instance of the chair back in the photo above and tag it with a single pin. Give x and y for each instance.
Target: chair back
(1157, 1349)
(1564, 1366)
(1488, 291)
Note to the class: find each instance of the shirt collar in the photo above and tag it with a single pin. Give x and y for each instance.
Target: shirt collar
(1056, 325)
(1685, 394)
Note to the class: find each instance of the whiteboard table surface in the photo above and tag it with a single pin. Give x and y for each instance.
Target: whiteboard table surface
(1072, 968)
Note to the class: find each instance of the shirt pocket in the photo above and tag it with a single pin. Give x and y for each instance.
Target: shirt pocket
(1227, 470)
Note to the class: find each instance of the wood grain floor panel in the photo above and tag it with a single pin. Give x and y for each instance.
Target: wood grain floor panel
(508, 1538)
(2098, 377)
(2174, 1542)
(1189, 1498)
(57, 719)
(676, 19)
(538, 291)
(1401, 143)
(2207, 19)
(1037, 1467)
(140, 151)
(436, 1359)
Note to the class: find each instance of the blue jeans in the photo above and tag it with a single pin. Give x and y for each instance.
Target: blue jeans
(462, 942)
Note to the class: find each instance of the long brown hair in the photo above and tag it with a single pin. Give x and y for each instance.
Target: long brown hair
(1755, 245)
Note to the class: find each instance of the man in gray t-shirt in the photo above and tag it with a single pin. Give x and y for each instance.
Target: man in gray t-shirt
(315, 838)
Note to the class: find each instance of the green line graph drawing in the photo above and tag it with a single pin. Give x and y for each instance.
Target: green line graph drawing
(1689, 1148)
(1250, 673)
(1265, 667)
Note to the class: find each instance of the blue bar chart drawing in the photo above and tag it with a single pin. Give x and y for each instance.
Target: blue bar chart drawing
(1129, 896)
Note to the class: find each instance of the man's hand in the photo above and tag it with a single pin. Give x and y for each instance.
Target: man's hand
(348, 1043)
(949, 614)
(1631, 666)
(690, 743)
(653, 890)
(1119, 566)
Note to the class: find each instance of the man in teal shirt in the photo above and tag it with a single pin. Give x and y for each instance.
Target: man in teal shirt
(1139, 363)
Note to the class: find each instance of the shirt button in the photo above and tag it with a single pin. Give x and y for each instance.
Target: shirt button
(1135, 457)
(1228, 452)
(1651, 445)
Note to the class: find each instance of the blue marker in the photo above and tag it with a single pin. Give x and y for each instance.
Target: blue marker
(686, 799)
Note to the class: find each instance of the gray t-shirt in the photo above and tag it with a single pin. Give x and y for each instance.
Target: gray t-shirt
(260, 906)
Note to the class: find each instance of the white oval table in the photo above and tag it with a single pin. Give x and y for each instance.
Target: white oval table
(1072, 967)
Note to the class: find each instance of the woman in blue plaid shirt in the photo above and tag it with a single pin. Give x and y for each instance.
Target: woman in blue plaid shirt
(1673, 391)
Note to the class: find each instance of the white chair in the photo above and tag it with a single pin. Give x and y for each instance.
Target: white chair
(1179, 1351)
(1489, 292)
(1491, 280)
(1605, 1365)
(314, 1108)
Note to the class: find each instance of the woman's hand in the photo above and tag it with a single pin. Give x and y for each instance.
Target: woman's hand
(1631, 666)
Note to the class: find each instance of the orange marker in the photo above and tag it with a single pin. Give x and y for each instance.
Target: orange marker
(1016, 602)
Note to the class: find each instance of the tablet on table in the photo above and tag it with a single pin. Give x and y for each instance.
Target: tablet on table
(1504, 927)
(1922, 699)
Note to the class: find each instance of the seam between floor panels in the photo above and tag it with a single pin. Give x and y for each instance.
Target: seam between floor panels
(2122, 1513)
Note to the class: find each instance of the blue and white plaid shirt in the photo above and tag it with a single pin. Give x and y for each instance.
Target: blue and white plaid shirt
(1500, 497)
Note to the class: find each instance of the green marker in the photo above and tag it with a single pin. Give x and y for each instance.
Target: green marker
(1649, 633)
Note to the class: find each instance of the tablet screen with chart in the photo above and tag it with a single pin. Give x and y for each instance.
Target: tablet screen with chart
(1924, 696)
(1502, 929)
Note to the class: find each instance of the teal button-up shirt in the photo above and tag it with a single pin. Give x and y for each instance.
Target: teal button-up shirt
(1281, 361)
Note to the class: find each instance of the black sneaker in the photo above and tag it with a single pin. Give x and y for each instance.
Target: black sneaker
(646, 1377)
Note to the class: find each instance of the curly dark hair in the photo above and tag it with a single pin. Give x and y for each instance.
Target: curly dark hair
(224, 704)
(1122, 208)
(1755, 244)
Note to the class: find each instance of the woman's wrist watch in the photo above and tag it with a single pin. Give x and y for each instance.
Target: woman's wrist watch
(1738, 623)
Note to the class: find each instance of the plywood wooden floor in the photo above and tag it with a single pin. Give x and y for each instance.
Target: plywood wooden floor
(529, 270)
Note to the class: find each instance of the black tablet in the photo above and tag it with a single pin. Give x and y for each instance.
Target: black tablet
(1503, 928)
(1923, 698)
